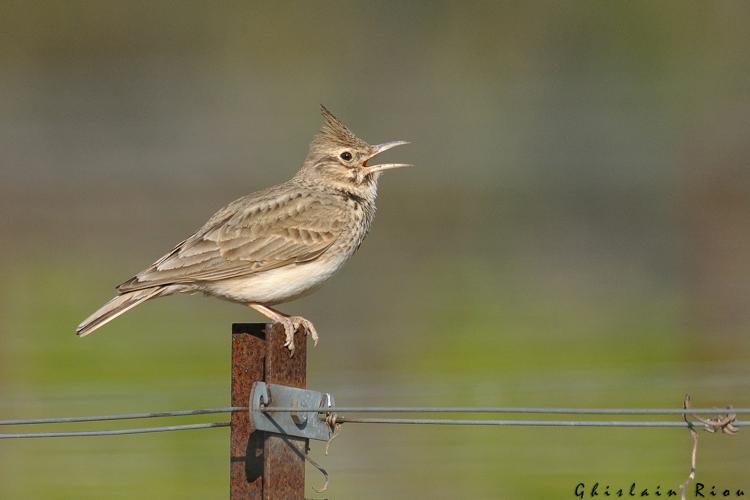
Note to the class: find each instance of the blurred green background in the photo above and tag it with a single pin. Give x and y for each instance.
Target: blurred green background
(576, 232)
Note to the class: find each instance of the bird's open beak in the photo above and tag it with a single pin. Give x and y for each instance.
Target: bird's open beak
(376, 150)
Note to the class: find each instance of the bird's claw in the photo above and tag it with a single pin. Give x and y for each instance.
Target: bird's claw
(291, 325)
(289, 329)
(299, 321)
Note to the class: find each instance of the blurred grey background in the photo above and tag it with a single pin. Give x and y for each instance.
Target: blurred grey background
(575, 232)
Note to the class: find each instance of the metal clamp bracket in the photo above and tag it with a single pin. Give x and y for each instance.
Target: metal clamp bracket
(306, 424)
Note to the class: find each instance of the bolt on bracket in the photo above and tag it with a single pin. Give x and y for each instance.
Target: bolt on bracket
(305, 424)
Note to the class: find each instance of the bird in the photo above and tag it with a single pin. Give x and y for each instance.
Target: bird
(274, 245)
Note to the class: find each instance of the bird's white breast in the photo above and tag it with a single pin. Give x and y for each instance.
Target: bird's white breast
(278, 285)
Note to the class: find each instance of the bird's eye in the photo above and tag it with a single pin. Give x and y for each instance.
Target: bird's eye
(346, 156)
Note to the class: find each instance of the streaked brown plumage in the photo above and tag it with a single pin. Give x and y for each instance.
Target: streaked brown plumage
(274, 245)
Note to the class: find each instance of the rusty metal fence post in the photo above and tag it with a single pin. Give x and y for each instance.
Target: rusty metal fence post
(263, 465)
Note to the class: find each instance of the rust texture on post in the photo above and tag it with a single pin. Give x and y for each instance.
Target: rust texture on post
(284, 457)
(246, 446)
(264, 465)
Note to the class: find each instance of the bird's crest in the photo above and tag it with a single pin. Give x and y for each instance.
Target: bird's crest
(334, 130)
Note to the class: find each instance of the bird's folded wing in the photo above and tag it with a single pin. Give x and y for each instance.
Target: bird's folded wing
(248, 236)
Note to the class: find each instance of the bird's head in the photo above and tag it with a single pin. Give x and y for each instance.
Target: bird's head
(338, 157)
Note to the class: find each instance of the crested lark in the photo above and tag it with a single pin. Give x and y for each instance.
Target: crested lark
(274, 245)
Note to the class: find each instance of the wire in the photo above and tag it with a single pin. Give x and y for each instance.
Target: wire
(504, 409)
(125, 416)
(116, 432)
(381, 409)
(355, 420)
(521, 423)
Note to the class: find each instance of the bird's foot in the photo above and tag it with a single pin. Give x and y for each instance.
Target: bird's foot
(299, 321)
(289, 329)
(290, 323)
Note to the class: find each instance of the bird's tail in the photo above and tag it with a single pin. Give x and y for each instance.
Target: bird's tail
(115, 307)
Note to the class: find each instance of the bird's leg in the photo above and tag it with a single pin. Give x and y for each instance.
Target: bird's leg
(298, 321)
(286, 322)
(290, 323)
